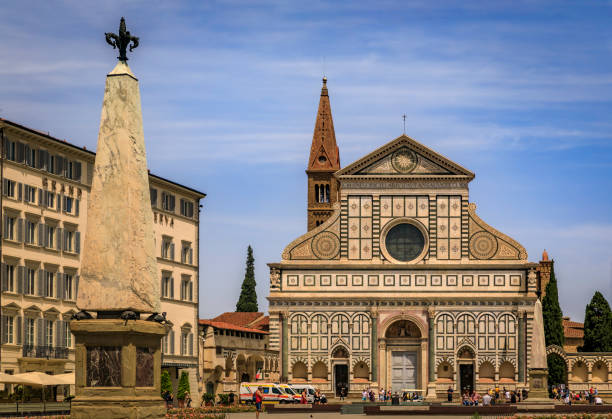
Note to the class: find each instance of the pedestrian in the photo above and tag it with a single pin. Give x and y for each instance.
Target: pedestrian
(258, 401)
(304, 398)
(449, 393)
(364, 395)
(187, 400)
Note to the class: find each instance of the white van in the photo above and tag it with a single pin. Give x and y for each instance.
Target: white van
(271, 393)
(310, 391)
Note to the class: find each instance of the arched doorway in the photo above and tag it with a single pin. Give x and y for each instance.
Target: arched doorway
(465, 362)
(241, 369)
(340, 362)
(404, 356)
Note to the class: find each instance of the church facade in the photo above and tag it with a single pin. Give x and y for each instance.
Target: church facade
(398, 283)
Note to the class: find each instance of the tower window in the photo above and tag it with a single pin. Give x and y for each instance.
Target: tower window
(322, 193)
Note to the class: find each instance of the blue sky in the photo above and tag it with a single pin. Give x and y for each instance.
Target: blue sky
(519, 92)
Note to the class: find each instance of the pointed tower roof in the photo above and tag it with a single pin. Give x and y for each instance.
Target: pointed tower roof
(324, 153)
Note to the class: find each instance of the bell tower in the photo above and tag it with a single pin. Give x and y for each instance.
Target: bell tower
(324, 161)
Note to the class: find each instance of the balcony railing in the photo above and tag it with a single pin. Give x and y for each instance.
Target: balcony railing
(48, 352)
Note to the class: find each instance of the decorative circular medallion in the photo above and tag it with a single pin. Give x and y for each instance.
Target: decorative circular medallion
(325, 245)
(404, 160)
(483, 245)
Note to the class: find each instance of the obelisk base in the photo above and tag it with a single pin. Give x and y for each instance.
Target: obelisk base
(538, 386)
(118, 369)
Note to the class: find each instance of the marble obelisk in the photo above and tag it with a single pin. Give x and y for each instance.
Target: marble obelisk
(119, 268)
(118, 354)
(538, 368)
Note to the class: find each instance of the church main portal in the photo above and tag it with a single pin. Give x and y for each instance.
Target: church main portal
(403, 371)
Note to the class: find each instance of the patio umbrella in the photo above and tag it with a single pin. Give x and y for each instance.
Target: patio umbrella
(66, 379)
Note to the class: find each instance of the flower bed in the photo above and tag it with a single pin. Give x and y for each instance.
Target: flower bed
(208, 412)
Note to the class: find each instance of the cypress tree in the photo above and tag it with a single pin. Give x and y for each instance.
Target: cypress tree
(551, 311)
(248, 296)
(597, 325)
(166, 383)
(183, 386)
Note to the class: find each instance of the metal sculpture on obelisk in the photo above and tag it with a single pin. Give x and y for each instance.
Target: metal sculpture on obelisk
(118, 355)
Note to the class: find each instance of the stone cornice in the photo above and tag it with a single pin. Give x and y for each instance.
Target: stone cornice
(346, 265)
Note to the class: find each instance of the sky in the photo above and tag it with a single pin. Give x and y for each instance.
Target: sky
(518, 92)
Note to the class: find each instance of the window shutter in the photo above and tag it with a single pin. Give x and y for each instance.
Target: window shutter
(20, 191)
(63, 341)
(76, 207)
(65, 244)
(40, 197)
(5, 227)
(18, 330)
(20, 230)
(171, 251)
(58, 238)
(190, 291)
(20, 152)
(41, 287)
(59, 288)
(40, 332)
(182, 290)
(190, 256)
(58, 333)
(63, 203)
(41, 234)
(4, 276)
(4, 329)
(76, 175)
(28, 155)
(191, 344)
(162, 247)
(76, 286)
(77, 241)
(172, 287)
(59, 202)
(20, 279)
(171, 337)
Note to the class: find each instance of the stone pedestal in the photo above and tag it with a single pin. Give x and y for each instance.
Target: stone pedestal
(118, 369)
(538, 386)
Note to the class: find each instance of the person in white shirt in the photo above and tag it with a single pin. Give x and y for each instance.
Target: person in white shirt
(486, 400)
(598, 400)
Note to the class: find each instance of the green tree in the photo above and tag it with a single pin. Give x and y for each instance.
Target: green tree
(551, 311)
(557, 370)
(248, 296)
(166, 383)
(183, 386)
(597, 325)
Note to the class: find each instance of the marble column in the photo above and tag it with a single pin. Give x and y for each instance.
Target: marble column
(285, 346)
(521, 346)
(374, 352)
(431, 382)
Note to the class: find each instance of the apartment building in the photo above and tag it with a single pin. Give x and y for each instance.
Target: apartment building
(45, 188)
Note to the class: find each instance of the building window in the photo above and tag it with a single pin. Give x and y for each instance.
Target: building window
(186, 289)
(165, 344)
(49, 284)
(404, 242)
(49, 333)
(187, 253)
(68, 240)
(168, 201)
(153, 193)
(30, 194)
(67, 335)
(67, 287)
(30, 232)
(167, 286)
(187, 208)
(49, 199)
(10, 150)
(167, 250)
(30, 156)
(322, 193)
(29, 332)
(187, 343)
(29, 281)
(8, 323)
(8, 277)
(9, 227)
(49, 236)
(68, 204)
(8, 188)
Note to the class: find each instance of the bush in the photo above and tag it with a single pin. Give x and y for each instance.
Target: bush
(183, 387)
(208, 397)
(224, 399)
(166, 383)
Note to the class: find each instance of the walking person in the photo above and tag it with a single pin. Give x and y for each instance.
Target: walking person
(449, 393)
(258, 401)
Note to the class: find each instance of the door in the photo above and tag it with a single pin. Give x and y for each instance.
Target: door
(403, 371)
(466, 377)
(340, 378)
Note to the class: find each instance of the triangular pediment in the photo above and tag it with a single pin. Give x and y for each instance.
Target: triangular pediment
(405, 157)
